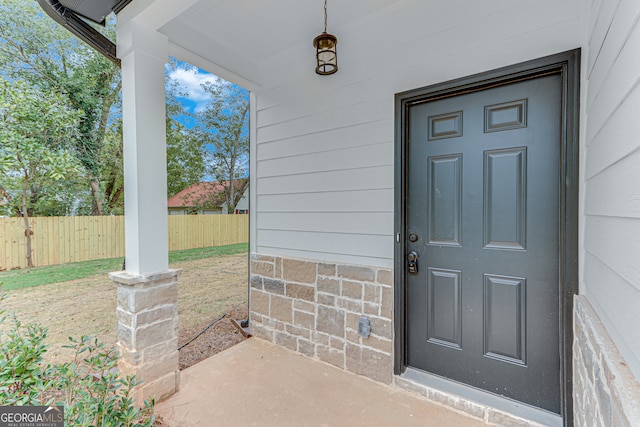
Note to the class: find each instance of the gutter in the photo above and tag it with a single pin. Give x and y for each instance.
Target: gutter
(78, 27)
(121, 5)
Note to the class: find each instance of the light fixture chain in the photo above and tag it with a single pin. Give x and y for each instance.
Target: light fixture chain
(325, 16)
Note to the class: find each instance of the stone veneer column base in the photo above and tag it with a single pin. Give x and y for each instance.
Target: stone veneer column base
(147, 311)
(605, 391)
(313, 308)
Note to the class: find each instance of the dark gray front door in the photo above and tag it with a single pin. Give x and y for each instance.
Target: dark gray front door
(483, 217)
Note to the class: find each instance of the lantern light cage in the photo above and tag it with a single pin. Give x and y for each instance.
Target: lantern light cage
(326, 53)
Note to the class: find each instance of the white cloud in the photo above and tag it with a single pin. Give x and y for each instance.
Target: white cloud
(191, 81)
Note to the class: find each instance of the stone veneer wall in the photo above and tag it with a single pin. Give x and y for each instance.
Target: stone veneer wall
(605, 392)
(313, 308)
(147, 312)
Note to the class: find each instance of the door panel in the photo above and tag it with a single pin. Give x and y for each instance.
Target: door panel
(445, 199)
(444, 297)
(482, 197)
(505, 311)
(505, 198)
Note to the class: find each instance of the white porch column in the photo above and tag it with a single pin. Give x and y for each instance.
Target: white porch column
(147, 308)
(143, 53)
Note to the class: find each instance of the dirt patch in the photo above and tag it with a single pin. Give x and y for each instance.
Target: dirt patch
(207, 288)
(217, 338)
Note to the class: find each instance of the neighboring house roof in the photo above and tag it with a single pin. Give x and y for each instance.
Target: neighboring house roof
(201, 193)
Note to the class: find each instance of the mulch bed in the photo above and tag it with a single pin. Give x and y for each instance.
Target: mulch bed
(217, 338)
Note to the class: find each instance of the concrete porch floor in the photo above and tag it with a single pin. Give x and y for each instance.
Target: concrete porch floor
(256, 383)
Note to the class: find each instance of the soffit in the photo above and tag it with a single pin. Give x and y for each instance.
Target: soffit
(91, 9)
(260, 29)
(238, 34)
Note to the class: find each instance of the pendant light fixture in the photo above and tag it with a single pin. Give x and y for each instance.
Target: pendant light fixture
(326, 54)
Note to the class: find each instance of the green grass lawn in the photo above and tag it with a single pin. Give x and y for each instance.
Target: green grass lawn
(28, 277)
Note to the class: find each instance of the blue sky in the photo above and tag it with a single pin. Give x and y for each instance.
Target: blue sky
(190, 80)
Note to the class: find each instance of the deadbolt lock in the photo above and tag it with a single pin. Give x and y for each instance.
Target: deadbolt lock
(412, 258)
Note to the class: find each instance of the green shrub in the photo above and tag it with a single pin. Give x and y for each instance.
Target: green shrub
(94, 394)
(89, 388)
(22, 374)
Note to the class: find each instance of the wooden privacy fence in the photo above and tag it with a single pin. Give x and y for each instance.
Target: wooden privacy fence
(60, 240)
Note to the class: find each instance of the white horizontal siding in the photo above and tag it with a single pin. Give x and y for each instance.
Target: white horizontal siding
(335, 139)
(602, 17)
(618, 80)
(325, 145)
(361, 178)
(373, 155)
(604, 238)
(361, 201)
(363, 248)
(328, 222)
(616, 304)
(617, 138)
(610, 47)
(340, 116)
(616, 191)
(611, 226)
(323, 100)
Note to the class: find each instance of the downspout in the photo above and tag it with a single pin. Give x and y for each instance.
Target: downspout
(78, 27)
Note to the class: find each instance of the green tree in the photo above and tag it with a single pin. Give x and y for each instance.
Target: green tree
(224, 128)
(34, 48)
(186, 158)
(36, 130)
(112, 170)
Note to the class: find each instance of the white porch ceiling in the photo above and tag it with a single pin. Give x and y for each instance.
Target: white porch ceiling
(241, 40)
(234, 36)
(262, 29)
